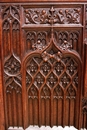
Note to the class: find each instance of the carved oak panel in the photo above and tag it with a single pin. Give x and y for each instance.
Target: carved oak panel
(44, 64)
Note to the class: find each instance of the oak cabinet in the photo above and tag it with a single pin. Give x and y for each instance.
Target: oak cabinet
(43, 63)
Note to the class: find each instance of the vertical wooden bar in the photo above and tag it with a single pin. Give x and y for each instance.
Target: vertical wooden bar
(85, 79)
(51, 108)
(2, 115)
(63, 119)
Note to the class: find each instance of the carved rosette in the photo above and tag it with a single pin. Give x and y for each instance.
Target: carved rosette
(12, 66)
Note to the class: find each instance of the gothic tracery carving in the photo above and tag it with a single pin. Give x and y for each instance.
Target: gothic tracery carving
(52, 80)
(59, 67)
(65, 80)
(12, 66)
(33, 93)
(58, 93)
(66, 46)
(11, 12)
(45, 67)
(71, 92)
(33, 67)
(72, 67)
(39, 80)
(66, 40)
(45, 92)
(36, 40)
(13, 86)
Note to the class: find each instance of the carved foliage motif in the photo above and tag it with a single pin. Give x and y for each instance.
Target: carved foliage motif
(53, 16)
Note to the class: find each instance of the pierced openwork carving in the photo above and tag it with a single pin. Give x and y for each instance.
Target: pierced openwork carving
(53, 16)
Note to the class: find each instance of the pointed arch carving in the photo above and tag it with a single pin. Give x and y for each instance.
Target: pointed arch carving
(54, 72)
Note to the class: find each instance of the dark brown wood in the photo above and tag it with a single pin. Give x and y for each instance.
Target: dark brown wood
(43, 63)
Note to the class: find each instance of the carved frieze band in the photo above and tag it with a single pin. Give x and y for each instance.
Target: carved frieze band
(66, 40)
(53, 16)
